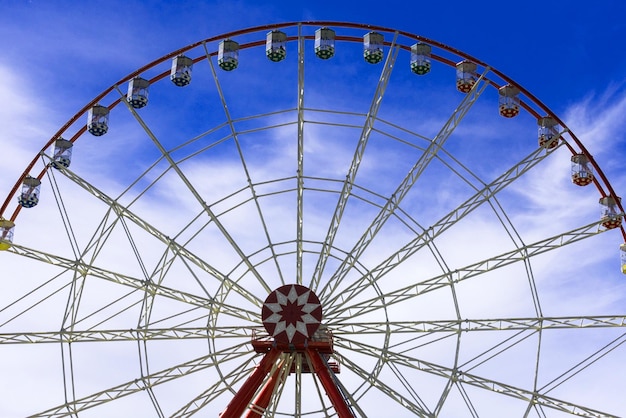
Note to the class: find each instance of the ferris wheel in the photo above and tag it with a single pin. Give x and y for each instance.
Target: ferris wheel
(310, 219)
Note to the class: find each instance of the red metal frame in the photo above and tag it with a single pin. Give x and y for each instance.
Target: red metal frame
(330, 386)
(264, 397)
(316, 350)
(242, 399)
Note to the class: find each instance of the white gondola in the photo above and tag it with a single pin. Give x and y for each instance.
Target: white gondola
(180, 73)
(466, 76)
(548, 131)
(582, 171)
(324, 43)
(610, 213)
(62, 156)
(508, 101)
(275, 45)
(29, 196)
(98, 120)
(228, 55)
(420, 58)
(137, 94)
(373, 47)
(6, 234)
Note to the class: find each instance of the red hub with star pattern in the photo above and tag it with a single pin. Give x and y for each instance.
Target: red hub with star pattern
(291, 314)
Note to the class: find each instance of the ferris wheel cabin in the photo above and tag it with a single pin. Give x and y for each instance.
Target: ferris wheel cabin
(324, 43)
(610, 212)
(98, 120)
(6, 234)
(582, 171)
(420, 58)
(29, 196)
(62, 156)
(275, 45)
(548, 132)
(466, 76)
(508, 101)
(373, 47)
(180, 74)
(137, 94)
(228, 55)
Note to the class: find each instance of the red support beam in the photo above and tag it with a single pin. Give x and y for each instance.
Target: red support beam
(244, 395)
(336, 398)
(264, 397)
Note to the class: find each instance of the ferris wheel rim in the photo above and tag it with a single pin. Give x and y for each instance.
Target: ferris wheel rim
(605, 191)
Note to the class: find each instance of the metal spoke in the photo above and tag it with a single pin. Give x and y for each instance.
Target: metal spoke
(139, 385)
(300, 158)
(356, 162)
(375, 382)
(251, 186)
(32, 292)
(288, 359)
(67, 366)
(318, 389)
(468, 402)
(298, 398)
(118, 278)
(439, 227)
(74, 296)
(222, 386)
(467, 272)
(196, 195)
(473, 181)
(172, 244)
(112, 335)
(405, 186)
(62, 211)
(477, 381)
(479, 325)
(585, 363)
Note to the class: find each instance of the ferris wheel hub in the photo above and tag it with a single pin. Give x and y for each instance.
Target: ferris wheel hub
(292, 314)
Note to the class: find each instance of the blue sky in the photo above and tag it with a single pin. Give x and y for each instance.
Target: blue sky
(56, 56)
(542, 46)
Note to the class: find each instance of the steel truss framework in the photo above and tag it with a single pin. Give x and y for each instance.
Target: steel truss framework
(364, 207)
